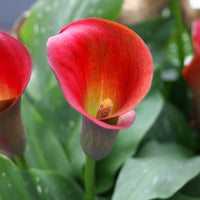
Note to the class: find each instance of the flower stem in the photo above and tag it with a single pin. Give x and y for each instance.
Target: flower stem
(179, 28)
(89, 179)
(21, 162)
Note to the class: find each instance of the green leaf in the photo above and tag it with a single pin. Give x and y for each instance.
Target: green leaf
(62, 118)
(128, 140)
(192, 189)
(171, 126)
(102, 198)
(43, 148)
(47, 18)
(64, 122)
(159, 171)
(34, 184)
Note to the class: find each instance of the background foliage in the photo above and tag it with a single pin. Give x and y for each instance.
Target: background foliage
(154, 159)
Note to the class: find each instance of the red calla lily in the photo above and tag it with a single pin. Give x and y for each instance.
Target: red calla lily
(15, 71)
(103, 67)
(192, 74)
(196, 36)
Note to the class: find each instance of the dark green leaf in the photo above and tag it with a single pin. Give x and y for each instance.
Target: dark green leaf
(154, 34)
(171, 126)
(192, 189)
(179, 196)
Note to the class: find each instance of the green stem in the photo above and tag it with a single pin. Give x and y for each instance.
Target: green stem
(21, 162)
(89, 179)
(180, 29)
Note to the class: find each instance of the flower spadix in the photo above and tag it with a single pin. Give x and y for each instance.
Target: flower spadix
(15, 71)
(192, 74)
(104, 70)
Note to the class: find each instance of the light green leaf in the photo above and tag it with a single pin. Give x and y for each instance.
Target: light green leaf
(128, 140)
(64, 122)
(158, 172)
(43, 148)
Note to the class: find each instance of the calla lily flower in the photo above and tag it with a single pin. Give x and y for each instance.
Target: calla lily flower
(104, 70)
(15, 71)
(192, 74)
(196, 36)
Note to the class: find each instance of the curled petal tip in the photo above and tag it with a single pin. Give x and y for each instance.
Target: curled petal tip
(127, 119)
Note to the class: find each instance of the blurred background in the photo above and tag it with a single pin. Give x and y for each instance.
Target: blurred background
(133, 11)
(10, 10)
